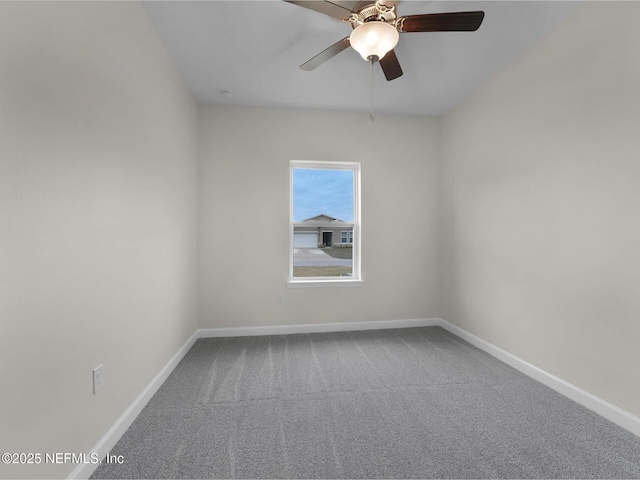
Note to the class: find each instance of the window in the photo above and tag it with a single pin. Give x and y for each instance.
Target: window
(346, 237)
(324, 224)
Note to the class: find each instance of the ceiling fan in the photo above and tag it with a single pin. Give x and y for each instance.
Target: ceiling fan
(376, 27)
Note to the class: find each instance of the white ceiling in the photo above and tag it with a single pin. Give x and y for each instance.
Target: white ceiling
(254, 49)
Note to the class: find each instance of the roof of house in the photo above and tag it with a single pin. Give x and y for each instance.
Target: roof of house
(323, 217)
(323, 220)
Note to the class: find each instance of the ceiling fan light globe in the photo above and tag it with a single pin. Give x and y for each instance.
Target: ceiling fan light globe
(374, 39)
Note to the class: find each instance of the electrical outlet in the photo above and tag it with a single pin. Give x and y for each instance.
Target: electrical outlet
(98, 378)
(280, 298)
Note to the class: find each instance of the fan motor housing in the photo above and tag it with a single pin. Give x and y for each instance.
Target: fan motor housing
(368, 12)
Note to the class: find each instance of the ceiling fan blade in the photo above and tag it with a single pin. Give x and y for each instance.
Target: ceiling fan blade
(328, 8)
(390, 66)
(441, 22)
(325, 55)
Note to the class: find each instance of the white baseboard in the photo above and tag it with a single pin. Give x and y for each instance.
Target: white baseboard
(316, 328)
(109, 440)
(603, 408)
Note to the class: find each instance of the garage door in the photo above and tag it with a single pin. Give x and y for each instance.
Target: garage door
(305, 240)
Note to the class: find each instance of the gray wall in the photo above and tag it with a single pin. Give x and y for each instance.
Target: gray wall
(541, 188)
(98, 166)
(244, 174)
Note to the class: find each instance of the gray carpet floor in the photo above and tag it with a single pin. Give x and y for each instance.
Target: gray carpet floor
(405, 403)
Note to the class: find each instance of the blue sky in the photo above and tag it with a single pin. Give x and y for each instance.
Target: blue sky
(322, 191)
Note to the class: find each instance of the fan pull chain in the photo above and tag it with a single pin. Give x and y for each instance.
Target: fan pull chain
(371, 114)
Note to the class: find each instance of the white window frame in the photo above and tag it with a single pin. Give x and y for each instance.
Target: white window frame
(355, 280)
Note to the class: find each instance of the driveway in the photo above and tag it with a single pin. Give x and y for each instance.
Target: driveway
(314, 257)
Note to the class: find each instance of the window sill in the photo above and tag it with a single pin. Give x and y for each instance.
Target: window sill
(314, 283)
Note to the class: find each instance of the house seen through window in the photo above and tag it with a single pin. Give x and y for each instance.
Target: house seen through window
(324, 220)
